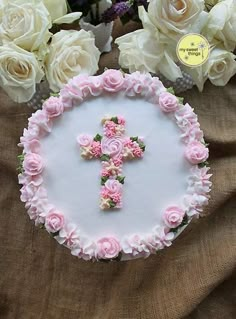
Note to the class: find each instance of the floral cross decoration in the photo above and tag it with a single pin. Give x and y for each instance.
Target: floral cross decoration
(112, 149)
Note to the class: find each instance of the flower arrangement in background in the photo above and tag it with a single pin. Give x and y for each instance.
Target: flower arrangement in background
(30, 52)
(153, 48)
(91, 9)
(100, 11)
(125, 10)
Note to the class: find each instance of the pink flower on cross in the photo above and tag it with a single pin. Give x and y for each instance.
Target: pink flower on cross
(113, 149)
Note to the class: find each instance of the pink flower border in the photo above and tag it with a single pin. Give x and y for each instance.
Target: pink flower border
(34, 195)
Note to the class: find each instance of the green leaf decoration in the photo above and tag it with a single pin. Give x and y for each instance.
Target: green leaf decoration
(171, 90)
(20, 161)
(134, 138)
(120, 179)
(112, 204)
(118, 258)
(41, 226)
(184, 222)
(142, 145)
(105, 157)
(104, 179)
(106, 261)
(54, 94)
(181, 100)
(115, 119)
(55, 234)
(203, 164)
(98, 138)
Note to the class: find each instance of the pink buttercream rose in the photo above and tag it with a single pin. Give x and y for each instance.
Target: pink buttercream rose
(54, 221)
(109, 129)
(105, 192)
(121, 120)
(128, 142)
(196, 152)
(113, 186)
(85, 140)
(118, 161)
(168, 102)
(105, 172)
(96, 149)
(137, 151)
(113, 80)
(116, 198)
(112, 146)
(33, 164)
(107, 248)
(53, 107)
(173, 216)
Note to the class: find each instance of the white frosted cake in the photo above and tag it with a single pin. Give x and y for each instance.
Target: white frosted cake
(114, 167)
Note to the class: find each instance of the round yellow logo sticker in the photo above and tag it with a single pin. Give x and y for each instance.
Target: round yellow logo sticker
(193, 49)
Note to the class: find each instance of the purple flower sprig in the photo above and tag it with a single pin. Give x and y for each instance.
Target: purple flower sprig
(116, 10)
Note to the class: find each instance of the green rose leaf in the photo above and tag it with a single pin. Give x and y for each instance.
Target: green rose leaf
(142, 145)
(104, 179)
(55, 234)
(118, 258)
(105, 157)
(184, 222)
(112, 204)
(203, 164)
(20, 160)
(115, 119)
(171, 90)
(134, 138)
(120, 179)
(98, 138)
(181, 100)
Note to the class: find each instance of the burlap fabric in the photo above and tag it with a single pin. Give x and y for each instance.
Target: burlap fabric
(194, 278)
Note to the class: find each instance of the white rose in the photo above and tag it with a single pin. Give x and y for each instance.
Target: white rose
(70, 53)
(220, 67)
(56, 8)
(142, 50)
(58, 11)
(26, 23)
(221, 24)
(19, 72)
(177, 17)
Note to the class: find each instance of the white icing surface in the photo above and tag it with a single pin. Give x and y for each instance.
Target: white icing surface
(152, 183)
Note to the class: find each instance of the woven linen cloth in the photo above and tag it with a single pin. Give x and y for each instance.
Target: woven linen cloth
(193, 279)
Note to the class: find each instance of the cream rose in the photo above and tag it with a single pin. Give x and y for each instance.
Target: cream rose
(177, 17)
(26, 23)
(220, 67)
(221, 24)
(70, 53)
(58, 11)
(142, 50)
(19, 72)
(56, 8)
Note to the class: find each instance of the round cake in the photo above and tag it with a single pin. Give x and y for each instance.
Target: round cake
(114, 167)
